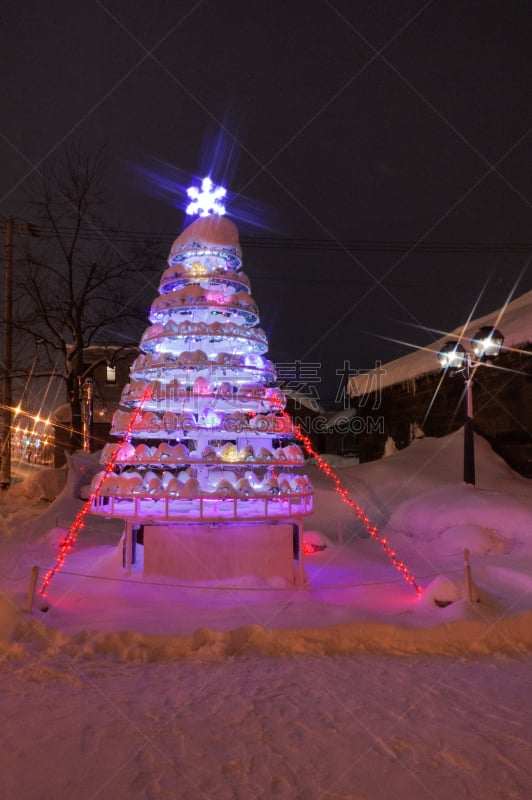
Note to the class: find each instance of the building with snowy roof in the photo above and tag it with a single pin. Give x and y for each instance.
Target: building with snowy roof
(107, 365)
(410, 397)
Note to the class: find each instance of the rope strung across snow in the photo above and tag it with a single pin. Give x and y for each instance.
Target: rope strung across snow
(66, 544)
(326, 468)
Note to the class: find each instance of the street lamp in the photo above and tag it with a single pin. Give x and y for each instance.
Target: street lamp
(486, 345)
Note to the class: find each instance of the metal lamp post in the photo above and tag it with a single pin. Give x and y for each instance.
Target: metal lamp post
(485, 347)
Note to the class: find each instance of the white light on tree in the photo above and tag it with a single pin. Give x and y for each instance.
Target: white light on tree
(207, 200)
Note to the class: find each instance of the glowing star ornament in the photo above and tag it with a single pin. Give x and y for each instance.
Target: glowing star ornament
(207, 200)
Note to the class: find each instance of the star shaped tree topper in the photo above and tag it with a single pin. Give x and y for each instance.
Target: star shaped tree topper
(207, 200)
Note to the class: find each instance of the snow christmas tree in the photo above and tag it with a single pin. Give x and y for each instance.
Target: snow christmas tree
(207, 463)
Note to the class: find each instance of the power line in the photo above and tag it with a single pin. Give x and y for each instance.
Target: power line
(306, 244)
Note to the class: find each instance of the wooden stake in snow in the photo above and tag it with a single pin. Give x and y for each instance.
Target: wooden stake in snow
(128, 545)
(31, 590)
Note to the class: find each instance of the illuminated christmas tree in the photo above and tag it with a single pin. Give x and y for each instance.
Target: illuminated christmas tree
(205, 439)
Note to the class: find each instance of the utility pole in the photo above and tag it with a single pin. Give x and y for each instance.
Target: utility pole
(87, 396)
(9, 227)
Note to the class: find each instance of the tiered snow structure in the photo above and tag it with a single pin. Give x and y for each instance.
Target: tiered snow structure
(211, 442)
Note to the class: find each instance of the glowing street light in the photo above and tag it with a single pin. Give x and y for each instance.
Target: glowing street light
(486, 345)
(452, 356)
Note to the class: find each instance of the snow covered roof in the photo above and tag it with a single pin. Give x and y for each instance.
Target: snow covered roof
(515, 322)
(340, 417)
(107, 350)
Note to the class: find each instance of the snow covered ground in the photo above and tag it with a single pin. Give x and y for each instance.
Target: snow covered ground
(350, 688)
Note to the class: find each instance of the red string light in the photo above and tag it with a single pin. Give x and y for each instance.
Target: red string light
(66, 544)
(326, 468)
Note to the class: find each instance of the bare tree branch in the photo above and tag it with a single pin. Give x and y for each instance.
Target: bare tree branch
(75, 279)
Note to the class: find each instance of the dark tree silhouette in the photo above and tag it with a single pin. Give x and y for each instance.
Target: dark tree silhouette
(81, 282)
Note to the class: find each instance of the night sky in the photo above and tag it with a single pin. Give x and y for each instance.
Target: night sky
(348, 124)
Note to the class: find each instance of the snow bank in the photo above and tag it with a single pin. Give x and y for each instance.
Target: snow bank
(354, 601)
(472, 636)
(9, 619)
(39, 484)
(463, 516)
(81, 469)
